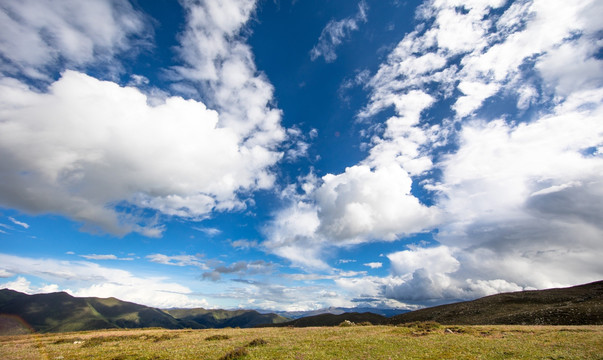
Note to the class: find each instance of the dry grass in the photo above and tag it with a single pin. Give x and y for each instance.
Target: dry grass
(416, 341)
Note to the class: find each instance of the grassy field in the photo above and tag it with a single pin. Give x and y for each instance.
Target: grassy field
(419, 341)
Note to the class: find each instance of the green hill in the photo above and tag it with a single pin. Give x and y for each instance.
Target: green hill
(578, 305)
(204, 318)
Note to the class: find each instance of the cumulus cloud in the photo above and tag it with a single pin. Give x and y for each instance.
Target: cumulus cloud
(363, 204)
(516, 191)
(36, 36)
(86, 145)
(335, 33)
(519, 199)
(82, 278)
(219, 65)
(23, 285)
(82, 147)
(293, 235)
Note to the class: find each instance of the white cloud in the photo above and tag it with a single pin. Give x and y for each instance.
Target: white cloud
(93, 139)
(208, 231)
(364, 204)
(374, 265)
(498, 166)
(21, 284)
(475, 94)
(81, 278)
(299, 144)
(437, 260)
(240, 268)
(37, 35)
(99, 257)
(335, 32)
(178, 260)
(244, 244)
(105, 257)
(5, 274)
(572, 66)
(219, 65)
(359, 205)
(518, 191)
(17, 222)
(86, 144)
(292, 235)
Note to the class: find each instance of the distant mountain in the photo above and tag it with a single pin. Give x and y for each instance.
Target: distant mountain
(341, 310)
(334, 320)
(60, 312)
(578, 305)
(200, 318)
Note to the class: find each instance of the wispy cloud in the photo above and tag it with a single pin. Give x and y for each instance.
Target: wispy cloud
(208, 231)
(374, 265)
(78, 35)
(105, 257)
(335, 33)
(240, 268)
(244, 244)
(17, 222)
(178, 260)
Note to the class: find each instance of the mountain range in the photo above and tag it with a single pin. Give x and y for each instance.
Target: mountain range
(341, 310)
(60, 312)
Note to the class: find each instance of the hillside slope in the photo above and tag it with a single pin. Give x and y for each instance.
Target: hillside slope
(200, 318)
(334, 320)
(578, 305)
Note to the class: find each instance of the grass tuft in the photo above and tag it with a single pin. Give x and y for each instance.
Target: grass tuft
(96, 341)
(163, 337)
(68, 341)
(236, 354)
(217, 337)
(420, 328)
(257, 342)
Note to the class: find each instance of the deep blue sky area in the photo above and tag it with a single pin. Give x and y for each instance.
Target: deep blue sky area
(300, 154)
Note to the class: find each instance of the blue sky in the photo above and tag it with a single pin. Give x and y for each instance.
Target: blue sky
(300, 154)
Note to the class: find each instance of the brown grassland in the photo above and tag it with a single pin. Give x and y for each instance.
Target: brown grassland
(410, 341)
